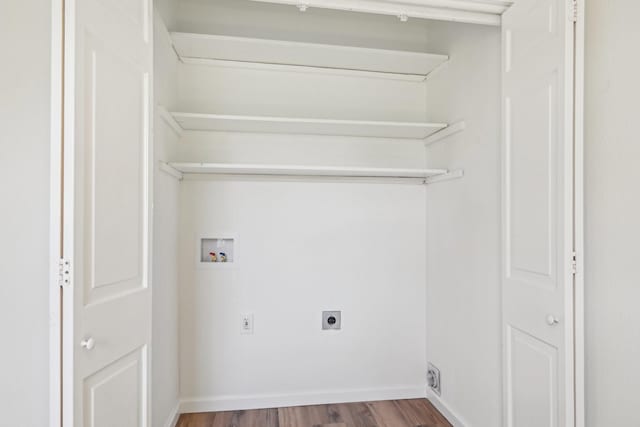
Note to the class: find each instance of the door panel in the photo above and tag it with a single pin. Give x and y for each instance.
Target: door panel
(115, 119)
(112, 393)
(538, 213)
(106, 220)
(531, 233)
(532, 370)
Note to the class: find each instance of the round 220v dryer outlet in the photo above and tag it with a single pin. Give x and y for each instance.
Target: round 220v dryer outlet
(331, 320)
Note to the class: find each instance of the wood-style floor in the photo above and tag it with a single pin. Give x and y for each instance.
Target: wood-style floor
(392, 413)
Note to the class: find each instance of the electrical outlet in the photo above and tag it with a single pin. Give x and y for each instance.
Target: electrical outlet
(246, 328)
(331, 320)
(433, 379)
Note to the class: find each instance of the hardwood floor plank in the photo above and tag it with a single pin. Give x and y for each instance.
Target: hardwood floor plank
(421, 413)
(204, 419)
(392, 413)
(336, 414)
(425, 406)
(307, 416)
(249, 418)
(223, 419)
(293, 416)
(387, 414)
(355, 414)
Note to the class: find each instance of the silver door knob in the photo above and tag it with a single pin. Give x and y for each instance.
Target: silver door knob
(552, 320)
(88, 343)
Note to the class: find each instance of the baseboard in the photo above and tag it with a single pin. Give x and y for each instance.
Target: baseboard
(172, 419)
(234, 403)
(449, 414)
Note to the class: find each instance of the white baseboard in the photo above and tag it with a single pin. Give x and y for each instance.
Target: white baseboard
(449, 414)
(234, 403)
(172, 419)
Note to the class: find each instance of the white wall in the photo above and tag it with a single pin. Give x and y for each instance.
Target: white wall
(246, 91)
(212, 89)
(167, 10)
(303, 247)
(24, 211)
(300, 150)
(612, 278)
(165, 239)
(463, 225)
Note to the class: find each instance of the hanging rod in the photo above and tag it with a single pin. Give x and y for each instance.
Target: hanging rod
(300, 170)
(428, 176)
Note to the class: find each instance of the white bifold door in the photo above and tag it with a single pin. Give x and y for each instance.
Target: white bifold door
(538, 213)
(107, 301)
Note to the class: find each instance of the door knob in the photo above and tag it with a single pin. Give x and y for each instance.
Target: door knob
(552, 320)
(88, 343)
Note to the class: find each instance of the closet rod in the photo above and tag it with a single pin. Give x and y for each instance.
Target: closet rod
(300, 170)
(410, 175)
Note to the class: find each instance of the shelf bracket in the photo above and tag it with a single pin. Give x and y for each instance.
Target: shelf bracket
(454, 174)
(166, 116)
(445, 133)
(437, 70)
(170, 170)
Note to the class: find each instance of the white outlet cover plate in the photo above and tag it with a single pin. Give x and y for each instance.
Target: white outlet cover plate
(246, 324)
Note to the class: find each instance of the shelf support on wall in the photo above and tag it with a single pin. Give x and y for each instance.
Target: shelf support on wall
(167, 118)
(454, 174)
(445, 133)
(170, 170)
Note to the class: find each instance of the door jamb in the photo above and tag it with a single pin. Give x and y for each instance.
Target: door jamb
(55, 211)
(578, 203)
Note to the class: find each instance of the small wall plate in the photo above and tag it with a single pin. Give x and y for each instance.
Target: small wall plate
(331, 320)
(433, 379)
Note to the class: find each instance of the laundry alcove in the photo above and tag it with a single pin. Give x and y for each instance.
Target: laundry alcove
(322, 202)
(311, 138)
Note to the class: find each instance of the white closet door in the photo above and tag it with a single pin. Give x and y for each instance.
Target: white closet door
(538, 213)
(107, 304)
